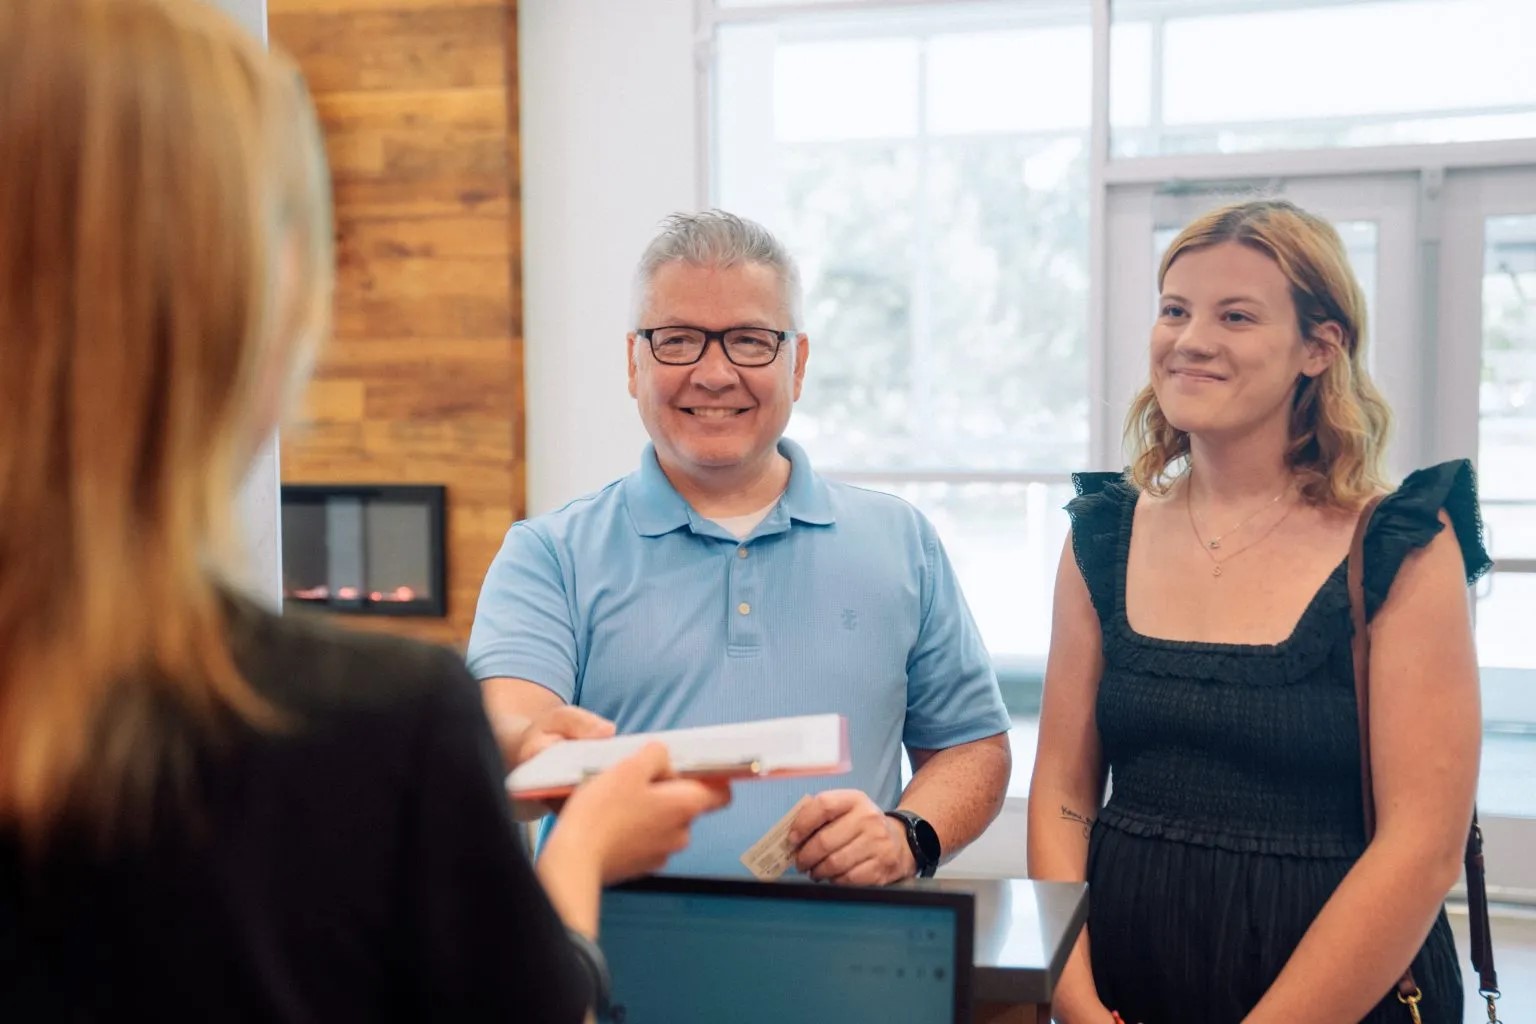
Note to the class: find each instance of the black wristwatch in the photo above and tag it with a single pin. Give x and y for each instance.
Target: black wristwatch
(923, 840)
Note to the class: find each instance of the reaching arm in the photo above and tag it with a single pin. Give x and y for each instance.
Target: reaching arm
(526, 718)
(482, 937)
(512, 705)
(1426, 729)
(625, 822)
(523, 649)
(1067, 787)
(959, 790)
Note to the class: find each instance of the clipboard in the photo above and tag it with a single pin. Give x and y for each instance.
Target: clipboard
(772, 748)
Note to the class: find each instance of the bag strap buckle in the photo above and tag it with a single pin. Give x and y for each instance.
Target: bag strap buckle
(1412, 1002)
(1491, 995)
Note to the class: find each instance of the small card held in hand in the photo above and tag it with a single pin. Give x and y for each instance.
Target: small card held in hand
(771, 856)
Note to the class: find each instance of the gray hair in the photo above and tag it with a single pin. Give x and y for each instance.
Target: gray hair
(714, 238)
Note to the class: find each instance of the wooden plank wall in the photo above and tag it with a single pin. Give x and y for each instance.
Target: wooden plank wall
(423, 380)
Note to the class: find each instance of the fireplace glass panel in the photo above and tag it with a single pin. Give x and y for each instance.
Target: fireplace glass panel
(364, 549)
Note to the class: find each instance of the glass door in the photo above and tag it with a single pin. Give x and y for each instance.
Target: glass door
(1448, 264)
(1485, 401)
(1375, 214)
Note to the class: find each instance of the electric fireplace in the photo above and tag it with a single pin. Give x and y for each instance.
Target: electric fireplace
(364, 549)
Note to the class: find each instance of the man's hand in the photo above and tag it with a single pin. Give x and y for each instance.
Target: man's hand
(564, 722)
(846, 839)
(522, 738)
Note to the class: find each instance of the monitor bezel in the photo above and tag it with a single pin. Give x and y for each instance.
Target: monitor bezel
(902, 895)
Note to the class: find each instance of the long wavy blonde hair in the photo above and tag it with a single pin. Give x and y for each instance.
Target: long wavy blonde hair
(1339, 421)
(165, 275)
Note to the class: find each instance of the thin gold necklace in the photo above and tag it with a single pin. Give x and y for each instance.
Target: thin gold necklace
(1215, 542)
(1209, 547)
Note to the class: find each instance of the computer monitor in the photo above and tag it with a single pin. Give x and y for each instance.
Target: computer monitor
(700, 951)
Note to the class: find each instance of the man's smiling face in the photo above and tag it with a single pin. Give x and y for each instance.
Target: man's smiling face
(714, 419)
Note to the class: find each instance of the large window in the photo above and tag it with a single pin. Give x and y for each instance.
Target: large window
(1489, 288)
(931, 168)
(1229, 76)
(980, 193)
(1507, 407)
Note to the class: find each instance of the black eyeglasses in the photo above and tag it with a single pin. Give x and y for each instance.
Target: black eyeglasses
(743, 346)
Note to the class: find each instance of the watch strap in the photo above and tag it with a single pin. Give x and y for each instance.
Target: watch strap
(911, 822)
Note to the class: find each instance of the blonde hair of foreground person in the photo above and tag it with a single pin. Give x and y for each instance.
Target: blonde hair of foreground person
(165, 275)
(1339, 422)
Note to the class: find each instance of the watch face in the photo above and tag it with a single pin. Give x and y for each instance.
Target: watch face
(928, 840)
(924, 841)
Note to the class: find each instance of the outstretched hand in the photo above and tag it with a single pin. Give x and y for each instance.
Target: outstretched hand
(636, 815)
(565, 722)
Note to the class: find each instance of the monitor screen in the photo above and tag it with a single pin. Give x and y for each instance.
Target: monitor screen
(686, 950)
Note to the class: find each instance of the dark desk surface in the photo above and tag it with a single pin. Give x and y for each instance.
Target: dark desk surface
(1024, 932)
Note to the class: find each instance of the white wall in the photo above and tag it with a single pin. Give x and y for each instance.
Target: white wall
(609, 148)
(259, 509)
(258, 505)
(250, 13)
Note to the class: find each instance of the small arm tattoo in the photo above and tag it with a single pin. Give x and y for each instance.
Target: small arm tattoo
(1068, 814)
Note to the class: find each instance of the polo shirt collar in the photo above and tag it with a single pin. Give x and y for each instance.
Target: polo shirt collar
(656, 508)
(806, 498)
(654, 504)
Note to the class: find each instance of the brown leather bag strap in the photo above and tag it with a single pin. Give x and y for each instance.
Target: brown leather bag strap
(1477, 911)
(1362, 651)
(1477, 890)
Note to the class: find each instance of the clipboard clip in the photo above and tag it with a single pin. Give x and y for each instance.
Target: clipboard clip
(716, 769)
(702, 770)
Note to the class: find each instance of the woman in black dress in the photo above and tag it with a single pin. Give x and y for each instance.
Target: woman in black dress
(209, 812)
(1200, 659)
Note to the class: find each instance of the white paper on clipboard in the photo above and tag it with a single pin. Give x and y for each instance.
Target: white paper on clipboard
(769, 748)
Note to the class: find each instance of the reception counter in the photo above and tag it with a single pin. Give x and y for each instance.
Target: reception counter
(1024, 933)
(685, 949)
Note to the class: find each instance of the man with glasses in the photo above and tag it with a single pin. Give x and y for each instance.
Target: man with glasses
(725, 581)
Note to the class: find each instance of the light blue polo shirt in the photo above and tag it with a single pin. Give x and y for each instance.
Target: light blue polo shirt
(628, 603)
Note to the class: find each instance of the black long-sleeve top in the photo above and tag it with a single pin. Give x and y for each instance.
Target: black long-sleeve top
(359, 865)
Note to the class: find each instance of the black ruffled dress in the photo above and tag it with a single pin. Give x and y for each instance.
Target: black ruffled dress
(1235, 806)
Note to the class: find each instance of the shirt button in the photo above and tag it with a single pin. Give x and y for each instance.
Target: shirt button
(744, 608)
(741, 552)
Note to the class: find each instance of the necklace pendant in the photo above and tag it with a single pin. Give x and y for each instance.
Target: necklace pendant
(1215, 570)
(1215, 544)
